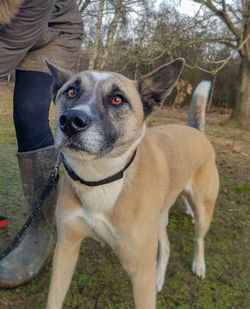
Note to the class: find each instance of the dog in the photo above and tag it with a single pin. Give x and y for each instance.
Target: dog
(122, 178)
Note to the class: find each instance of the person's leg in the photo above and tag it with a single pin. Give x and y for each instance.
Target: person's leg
(25, 46)
(36, 157)
(31, 109)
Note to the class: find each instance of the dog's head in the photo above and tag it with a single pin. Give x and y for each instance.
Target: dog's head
(102, 113)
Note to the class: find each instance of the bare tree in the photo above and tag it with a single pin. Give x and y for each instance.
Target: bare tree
(236, 17)
(111, 33)
(94, 55)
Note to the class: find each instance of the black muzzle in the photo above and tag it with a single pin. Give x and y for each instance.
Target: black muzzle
(73, 122)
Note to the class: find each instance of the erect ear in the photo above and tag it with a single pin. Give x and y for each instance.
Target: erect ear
(59, 77)
(154, 87)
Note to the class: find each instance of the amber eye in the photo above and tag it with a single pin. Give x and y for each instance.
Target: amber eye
(71, 92)
(117, 100)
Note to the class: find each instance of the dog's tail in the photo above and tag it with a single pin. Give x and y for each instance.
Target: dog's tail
(197, 109)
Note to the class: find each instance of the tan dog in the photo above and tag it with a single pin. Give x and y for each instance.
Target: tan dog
(116, 194)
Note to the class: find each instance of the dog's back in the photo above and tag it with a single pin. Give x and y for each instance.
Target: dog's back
(181, 144)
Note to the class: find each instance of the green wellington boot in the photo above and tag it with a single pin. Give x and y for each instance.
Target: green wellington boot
(36, 248)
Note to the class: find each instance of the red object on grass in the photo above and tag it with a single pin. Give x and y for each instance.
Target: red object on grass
(3, 221)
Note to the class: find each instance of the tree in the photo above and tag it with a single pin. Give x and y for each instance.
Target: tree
(94, 55)
(111, 33)
(104, 21)
(147, 36)
(236, 17)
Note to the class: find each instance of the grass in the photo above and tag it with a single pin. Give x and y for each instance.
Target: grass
(100, 282)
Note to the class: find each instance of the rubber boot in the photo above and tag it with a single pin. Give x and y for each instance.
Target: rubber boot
(36, 248)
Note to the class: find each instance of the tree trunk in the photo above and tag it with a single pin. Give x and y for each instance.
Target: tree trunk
(97, 37)
(111, 34)
(241, 112)
(209, 104)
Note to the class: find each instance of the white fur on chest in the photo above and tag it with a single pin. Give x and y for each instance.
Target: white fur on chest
(96, 206)
(98, 202)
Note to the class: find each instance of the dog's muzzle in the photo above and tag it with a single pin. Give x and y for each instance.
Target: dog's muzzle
(73, 122)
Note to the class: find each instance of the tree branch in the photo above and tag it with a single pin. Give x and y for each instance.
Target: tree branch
(222, 14)
(224, 61)
(84, 6)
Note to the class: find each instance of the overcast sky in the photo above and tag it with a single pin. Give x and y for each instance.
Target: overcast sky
(188, 7)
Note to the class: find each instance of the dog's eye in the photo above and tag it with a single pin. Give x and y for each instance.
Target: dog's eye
(117, 100)
(71, 93)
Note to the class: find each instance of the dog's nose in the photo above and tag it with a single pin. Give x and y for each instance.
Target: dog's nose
(74, 121)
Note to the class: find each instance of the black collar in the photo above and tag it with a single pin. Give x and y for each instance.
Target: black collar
(112, 178)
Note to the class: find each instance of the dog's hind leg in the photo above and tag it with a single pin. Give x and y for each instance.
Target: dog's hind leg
(163, 251)
(201, 195)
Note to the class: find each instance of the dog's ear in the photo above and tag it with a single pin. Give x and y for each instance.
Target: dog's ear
(154, 87)
(59, 77)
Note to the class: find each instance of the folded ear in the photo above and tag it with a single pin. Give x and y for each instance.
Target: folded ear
(154, 87)
(59, 77)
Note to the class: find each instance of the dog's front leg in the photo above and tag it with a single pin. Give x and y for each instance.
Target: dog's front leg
(144, 288)
(64, 262)
(138, 258)
(71, 231)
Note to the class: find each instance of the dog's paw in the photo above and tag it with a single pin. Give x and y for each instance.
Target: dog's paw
(199, 269)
